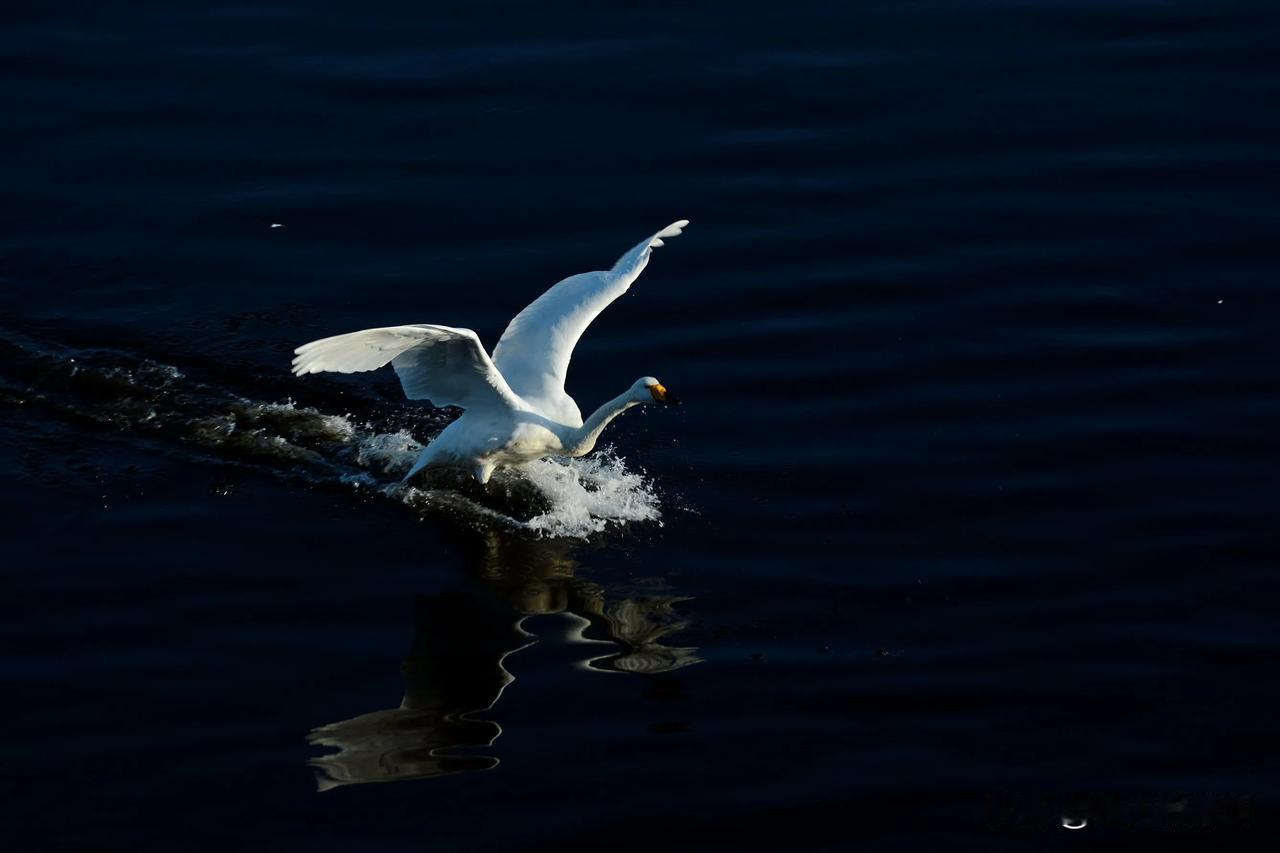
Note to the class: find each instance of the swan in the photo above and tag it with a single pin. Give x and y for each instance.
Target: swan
(515, 406)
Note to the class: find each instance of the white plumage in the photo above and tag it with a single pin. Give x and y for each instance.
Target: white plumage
(516, 408)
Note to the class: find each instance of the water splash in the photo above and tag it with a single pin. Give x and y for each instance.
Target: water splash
(590, 494)
(572, 498)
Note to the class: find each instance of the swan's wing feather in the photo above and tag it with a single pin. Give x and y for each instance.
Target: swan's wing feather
(442, 364)
(452, 369)
(534, 352)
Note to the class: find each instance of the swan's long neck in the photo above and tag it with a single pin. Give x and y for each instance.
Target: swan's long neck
(583, 439)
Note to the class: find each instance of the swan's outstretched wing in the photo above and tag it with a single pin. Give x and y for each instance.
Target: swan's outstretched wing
(534, 352)
(447, 366)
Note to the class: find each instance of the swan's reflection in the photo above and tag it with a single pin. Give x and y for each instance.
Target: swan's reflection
(458, 665)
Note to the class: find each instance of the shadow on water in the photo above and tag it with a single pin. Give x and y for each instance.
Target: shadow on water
(461, 659)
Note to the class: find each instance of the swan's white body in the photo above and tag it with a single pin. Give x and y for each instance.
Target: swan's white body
(516, 408)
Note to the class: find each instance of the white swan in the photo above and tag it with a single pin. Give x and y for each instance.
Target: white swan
(516, 406)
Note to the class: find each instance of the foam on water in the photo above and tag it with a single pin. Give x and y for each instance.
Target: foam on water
(387, 452)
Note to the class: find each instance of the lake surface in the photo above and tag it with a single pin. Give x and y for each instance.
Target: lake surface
(967, 527)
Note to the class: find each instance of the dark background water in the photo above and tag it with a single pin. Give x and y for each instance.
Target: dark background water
(967, 525)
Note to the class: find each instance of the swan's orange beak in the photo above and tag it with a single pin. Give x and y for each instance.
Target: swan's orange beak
(662, 395)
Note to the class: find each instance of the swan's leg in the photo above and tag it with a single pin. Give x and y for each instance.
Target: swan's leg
(424, 459)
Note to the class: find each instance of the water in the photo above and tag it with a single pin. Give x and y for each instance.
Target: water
(966, 527)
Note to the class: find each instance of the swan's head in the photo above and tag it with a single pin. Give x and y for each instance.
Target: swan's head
(649, 390)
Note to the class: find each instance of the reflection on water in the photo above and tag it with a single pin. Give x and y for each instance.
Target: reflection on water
(458, 665)
(460, 661)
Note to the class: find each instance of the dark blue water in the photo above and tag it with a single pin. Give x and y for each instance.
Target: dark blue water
(967, 527)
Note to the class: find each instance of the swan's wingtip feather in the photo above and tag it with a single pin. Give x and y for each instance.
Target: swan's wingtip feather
(313, 345)
(672, 230)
